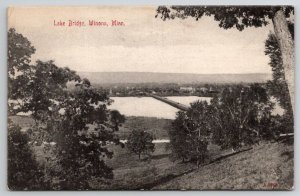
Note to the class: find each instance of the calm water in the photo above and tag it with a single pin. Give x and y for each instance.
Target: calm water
(150, 107)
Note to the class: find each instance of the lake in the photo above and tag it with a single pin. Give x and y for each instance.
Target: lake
(150, 107)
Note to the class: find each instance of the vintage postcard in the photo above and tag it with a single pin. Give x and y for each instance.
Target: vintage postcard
(151, 98)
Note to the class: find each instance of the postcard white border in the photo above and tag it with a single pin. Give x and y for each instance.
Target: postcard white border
(3, 91)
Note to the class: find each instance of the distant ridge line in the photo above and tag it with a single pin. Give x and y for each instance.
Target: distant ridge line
(152, 77)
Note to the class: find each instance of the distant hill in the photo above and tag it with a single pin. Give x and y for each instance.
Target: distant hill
(181, 78)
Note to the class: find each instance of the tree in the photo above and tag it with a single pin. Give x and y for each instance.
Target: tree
(76, 120)
(64, 117)
(81, 150)
(277, 86)
(46, 87)
(140, 142)
(199, 129)
(24, 173)
(116, 119)
(19, 54)
(240, 115)
(191, 133)
(247, 16)
(178, 138)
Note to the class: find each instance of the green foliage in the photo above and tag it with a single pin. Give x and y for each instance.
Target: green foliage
(116, 119)
(282, 124)
(81, 152)
(47, 87)
(237, 116)
(140, 142)
(277, 86)
(190, 136)
(19, 53)
(178, 137)
(239, 17)
(63, 116)
(24, 173)
(240, 116)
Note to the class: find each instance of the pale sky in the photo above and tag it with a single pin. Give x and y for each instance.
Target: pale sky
(144, 44)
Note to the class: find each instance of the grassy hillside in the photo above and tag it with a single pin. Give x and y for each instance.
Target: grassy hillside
(266, 166)
(130, 173)
(133, 174)
(157, 126)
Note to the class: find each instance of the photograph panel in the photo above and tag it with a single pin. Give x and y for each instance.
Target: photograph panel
(151, 98)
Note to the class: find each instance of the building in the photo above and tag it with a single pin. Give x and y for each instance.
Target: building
(203, 89)
(188, 89)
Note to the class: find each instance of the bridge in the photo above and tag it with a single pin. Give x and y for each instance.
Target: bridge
(170, 102)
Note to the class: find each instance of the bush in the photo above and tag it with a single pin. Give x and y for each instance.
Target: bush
(240, 116)
(24, 173)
